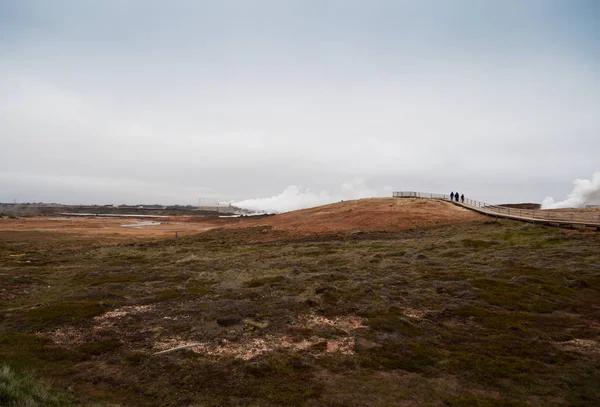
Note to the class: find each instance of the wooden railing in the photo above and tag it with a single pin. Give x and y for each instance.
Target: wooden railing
(412, 194)
(569, 217)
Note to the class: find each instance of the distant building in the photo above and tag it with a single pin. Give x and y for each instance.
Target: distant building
(592, 206)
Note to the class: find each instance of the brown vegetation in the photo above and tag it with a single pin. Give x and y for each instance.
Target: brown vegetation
(422, 304)
(366, 215)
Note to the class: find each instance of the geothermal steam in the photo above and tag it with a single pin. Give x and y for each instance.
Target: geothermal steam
(584, 190)
(295, 197)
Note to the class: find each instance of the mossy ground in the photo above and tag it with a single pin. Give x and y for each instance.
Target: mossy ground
(494, 313)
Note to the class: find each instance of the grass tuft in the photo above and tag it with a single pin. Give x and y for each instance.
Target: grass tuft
(24, 390)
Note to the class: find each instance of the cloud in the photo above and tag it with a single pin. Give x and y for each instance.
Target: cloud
(241, 99)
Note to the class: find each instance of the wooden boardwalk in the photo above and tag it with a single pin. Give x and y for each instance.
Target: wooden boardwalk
(547, 217)
(575, 218)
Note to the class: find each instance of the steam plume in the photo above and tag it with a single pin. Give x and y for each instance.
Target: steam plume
(295, 197)
(583, 191)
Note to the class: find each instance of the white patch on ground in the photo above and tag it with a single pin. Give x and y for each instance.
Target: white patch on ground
(586, 346)
(414, 313)
(139, 225)
(66, 336)
(249, 348)
(123, 311)
(69, 336)
(245, 349)
(345, 323)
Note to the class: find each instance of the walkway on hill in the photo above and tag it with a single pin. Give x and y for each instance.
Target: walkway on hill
(567, 217)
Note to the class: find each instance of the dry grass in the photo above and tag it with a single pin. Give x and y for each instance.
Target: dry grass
(475, 314)
(24, 390)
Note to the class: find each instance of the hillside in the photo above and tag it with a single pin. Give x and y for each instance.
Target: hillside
(372, 214)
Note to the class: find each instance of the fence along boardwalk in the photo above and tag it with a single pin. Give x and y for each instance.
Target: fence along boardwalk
(574, 218)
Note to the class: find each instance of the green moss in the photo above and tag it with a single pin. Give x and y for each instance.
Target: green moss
(115, 279)
(582, 386)
(409, 356)
(261, 281)
(391, 322)
(65, 311)
(198, 289)
(20, 340)
(524, 297)
(167, 295)
(177, 278)
(33, 351)
(493, 370)
(482, 401)
(478, 244)
(137, 358)
(100, 347)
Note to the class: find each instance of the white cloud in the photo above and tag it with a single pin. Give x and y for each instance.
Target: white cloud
(244, 100)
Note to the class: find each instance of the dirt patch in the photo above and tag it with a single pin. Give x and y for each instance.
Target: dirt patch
(317, 345)
(111, 229)
(584, 346)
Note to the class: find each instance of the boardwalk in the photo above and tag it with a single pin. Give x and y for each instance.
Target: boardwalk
(570, 218)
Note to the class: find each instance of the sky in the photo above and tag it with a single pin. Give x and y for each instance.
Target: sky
(146, 101)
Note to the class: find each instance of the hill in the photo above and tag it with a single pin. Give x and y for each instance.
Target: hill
(365, 215)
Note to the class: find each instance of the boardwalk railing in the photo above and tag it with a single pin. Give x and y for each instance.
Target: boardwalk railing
(411, 194)
(566, 216)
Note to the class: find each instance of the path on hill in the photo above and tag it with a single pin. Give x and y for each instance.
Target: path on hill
(568, 217)
(574, 217)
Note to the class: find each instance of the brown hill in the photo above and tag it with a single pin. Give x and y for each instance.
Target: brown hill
(367, 215)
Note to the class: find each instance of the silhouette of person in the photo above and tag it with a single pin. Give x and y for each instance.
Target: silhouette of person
(456, 196)
(452, 196)
(462, 198)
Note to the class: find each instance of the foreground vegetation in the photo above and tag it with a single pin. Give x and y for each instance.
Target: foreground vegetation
(21, 390)
(493, 313)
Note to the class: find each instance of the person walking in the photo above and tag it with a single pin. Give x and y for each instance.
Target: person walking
(462, 198)
(452, 196)
(456, 196)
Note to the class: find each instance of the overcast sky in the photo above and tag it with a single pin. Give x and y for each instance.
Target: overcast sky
(113, 101)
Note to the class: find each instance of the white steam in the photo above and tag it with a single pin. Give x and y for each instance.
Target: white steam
(295, 197)
(583, 192)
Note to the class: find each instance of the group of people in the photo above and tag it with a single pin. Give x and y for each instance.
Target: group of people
(454, 196)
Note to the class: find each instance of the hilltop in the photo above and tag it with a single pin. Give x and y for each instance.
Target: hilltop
(366, 215)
